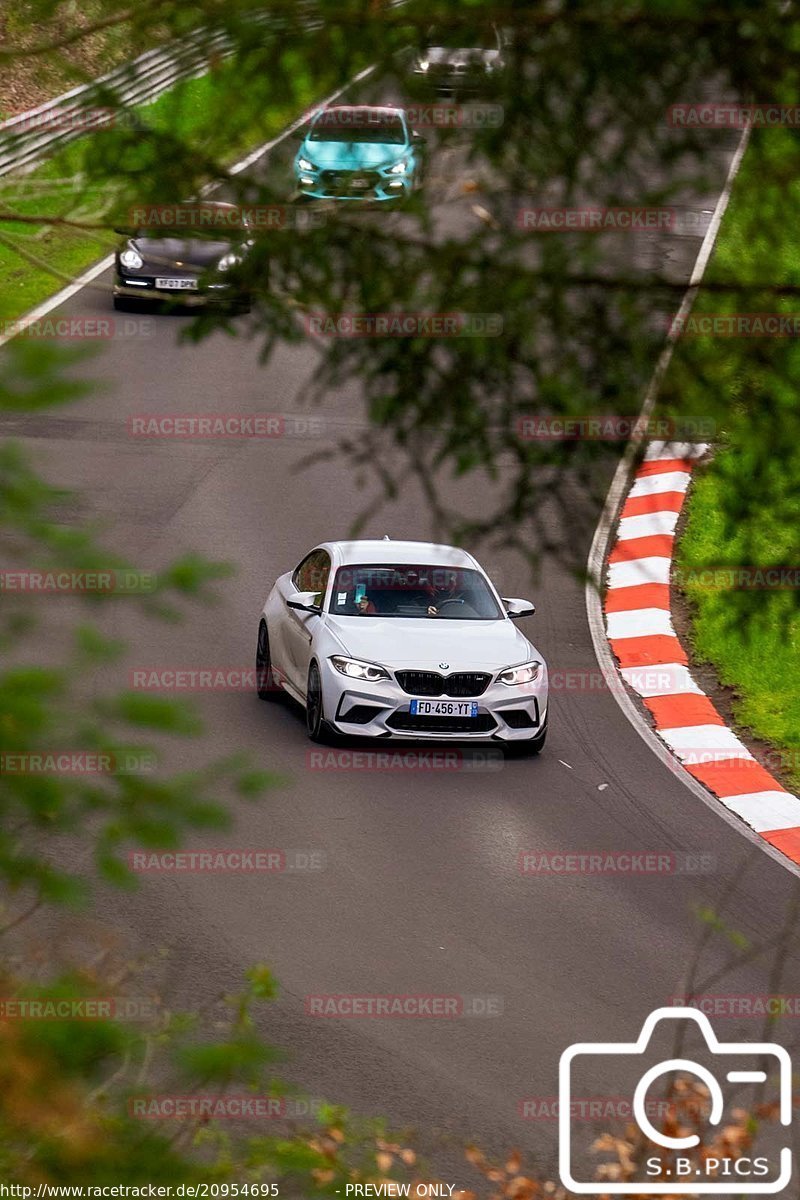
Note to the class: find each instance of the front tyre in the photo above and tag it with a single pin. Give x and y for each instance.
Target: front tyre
(266, 685)
(317, 727)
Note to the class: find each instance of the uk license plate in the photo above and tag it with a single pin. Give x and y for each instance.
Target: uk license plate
(360, 183)
(444, 708)
(177, 285)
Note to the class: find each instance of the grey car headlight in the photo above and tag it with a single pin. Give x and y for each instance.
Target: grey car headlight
(227, 261)
(131, 259)
(524, 673)
(355, 668)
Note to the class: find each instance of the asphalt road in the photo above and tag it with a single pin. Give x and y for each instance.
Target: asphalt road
(421, 891)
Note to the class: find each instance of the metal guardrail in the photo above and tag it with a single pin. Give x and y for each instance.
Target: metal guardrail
(30, 136)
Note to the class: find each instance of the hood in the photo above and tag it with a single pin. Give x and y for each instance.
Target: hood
(190, 252)
(351, 156)
(443, 56)
(426, 642)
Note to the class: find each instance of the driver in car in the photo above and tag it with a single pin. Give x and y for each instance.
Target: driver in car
(444, 594)
(366, 607)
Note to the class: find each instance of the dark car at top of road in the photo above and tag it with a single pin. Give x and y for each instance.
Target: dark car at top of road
(186, 254)
(459, 60)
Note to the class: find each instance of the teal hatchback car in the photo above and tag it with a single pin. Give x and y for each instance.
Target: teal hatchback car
(360, 152)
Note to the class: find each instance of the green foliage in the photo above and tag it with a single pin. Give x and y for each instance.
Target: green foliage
(744, 509)
(578, 339)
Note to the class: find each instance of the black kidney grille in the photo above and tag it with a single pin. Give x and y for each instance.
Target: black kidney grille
(430, 683)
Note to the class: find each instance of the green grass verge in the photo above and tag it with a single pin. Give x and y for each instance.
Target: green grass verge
(744, 508)
(207, 115)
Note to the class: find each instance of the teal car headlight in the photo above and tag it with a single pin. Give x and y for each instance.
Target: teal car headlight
(399, 168)
(305, 165)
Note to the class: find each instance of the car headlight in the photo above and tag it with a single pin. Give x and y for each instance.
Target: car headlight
(423, 65)
(354, 668)
(399, 168)
(524, 673)
(305, 165)
(227, 261)
(131, 259)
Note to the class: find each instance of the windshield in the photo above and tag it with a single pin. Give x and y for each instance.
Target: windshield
(433, 593)
(460, 38)
(193, 221)
(354, 125)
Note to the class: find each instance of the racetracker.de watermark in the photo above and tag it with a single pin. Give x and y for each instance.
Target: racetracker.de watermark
(735, 325)
(728, 115)
(616, 862)
(77, 1008)
(120, 582)
(772, 759)
(536, 427)
(402, 325)
(732, 758)
(83, 119)
(77, 329)
(740, 1004)
(255, 218)
(740, 578)
(198, 679)
(209, 1106)
(77, 762)
(589, 1108)
(405, 760)
(395, 1005)
(649, 681)
(670, 680)
(204, 426)
(596, 219)
(252, 860)
(436, 115)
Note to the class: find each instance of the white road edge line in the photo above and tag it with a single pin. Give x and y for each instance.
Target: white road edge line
(605, 529)
(92, 273)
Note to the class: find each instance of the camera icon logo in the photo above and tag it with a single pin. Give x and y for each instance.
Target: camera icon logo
(747, 1064)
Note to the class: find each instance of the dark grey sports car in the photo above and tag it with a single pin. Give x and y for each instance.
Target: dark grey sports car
(460, 60)
(185, 254)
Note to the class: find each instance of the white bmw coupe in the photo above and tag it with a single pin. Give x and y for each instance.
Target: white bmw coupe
(403, 640)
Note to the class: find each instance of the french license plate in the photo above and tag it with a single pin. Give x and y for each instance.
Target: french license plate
(444, 708)
(177, 285)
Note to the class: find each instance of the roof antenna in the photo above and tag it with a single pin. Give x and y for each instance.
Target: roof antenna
(386, 538)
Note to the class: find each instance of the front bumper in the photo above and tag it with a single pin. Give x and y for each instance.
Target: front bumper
(445, 80)
(143, 288)
(382, 710)
(338, 185)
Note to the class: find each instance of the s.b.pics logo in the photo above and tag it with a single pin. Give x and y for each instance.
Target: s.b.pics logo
(691, 1151)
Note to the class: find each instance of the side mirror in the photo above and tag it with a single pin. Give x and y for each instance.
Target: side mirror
(304, 602)
(418, 138)
(518, 608)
